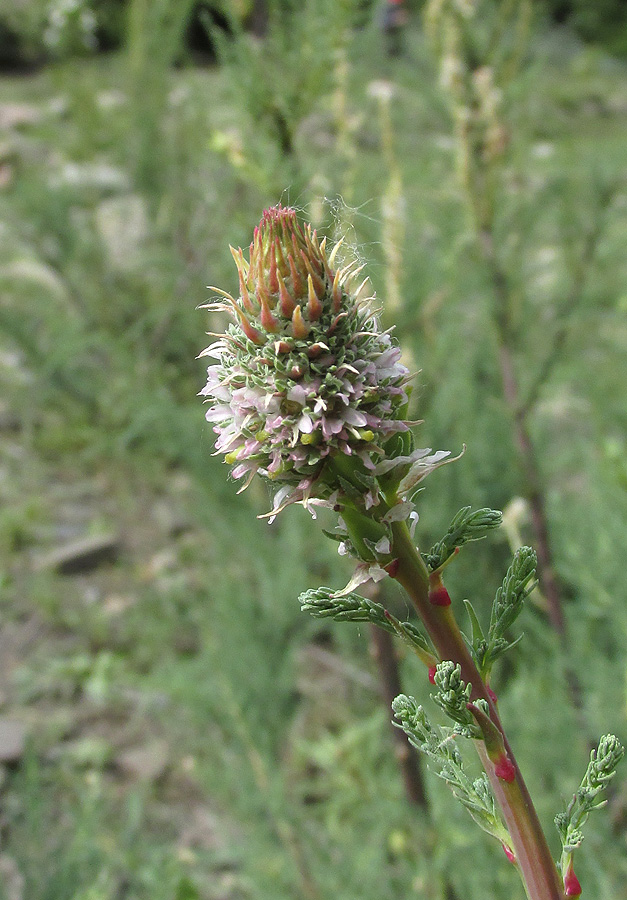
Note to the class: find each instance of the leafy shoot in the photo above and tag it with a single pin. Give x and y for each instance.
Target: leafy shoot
(466, 526)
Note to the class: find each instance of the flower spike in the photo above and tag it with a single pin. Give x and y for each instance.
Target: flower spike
(307, 389)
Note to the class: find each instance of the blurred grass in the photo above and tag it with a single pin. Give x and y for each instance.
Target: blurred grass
(278, 780)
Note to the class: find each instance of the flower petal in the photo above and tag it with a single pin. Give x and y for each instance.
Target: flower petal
(423, 467)
(363, 572)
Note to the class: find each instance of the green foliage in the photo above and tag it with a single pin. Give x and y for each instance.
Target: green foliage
(438, 744)
(285, 78)
(324, 603)
(453, 696)
(73, 844)
(71, 28)
(601, 770)
(154, 42)
(518, 583)
(38, 31)
(466, 526)
(22, 27)
(601, 22)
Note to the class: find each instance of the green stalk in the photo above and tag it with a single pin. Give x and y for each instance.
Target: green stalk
(533, 856)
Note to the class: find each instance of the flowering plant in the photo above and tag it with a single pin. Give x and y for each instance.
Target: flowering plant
(311, 394)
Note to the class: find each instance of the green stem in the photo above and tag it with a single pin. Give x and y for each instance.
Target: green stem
(538, 870)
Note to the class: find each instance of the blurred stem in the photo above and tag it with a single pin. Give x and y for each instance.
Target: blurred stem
(283, 828)
(533, 856)
(345, 123)
(409, 762)
(154, 38)
(482, 137)
(384, 653)
(511, 393)
(479, 174)
(549, 583)
(581, 264)
(392, 203)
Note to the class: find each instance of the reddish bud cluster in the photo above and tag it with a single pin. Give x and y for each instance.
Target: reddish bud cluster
(285, 283)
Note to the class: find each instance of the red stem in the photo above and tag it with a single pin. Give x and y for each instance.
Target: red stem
(538, 870)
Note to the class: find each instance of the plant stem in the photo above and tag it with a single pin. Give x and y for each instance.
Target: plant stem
(549, 583)
(480, 162)
(537, 868)
(548, 579)
(285, 831)
(384, 653)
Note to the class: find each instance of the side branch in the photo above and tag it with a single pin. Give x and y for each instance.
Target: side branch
(582, 266)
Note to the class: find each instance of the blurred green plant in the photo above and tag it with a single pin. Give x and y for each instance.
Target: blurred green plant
(285, 78)
(479, 47)
(154, 42)
(39, 31)
(71, 28)
(589, 796)
(602, 22)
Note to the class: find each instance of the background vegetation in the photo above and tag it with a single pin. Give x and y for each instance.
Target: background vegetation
(190, 734)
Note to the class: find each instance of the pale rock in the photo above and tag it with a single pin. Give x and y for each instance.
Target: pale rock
(90, 175)
(147, 762)
(16, 115)
(110, 99)
(12, 739)
(122, 223)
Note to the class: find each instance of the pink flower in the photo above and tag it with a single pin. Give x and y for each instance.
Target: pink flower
(304, 375)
